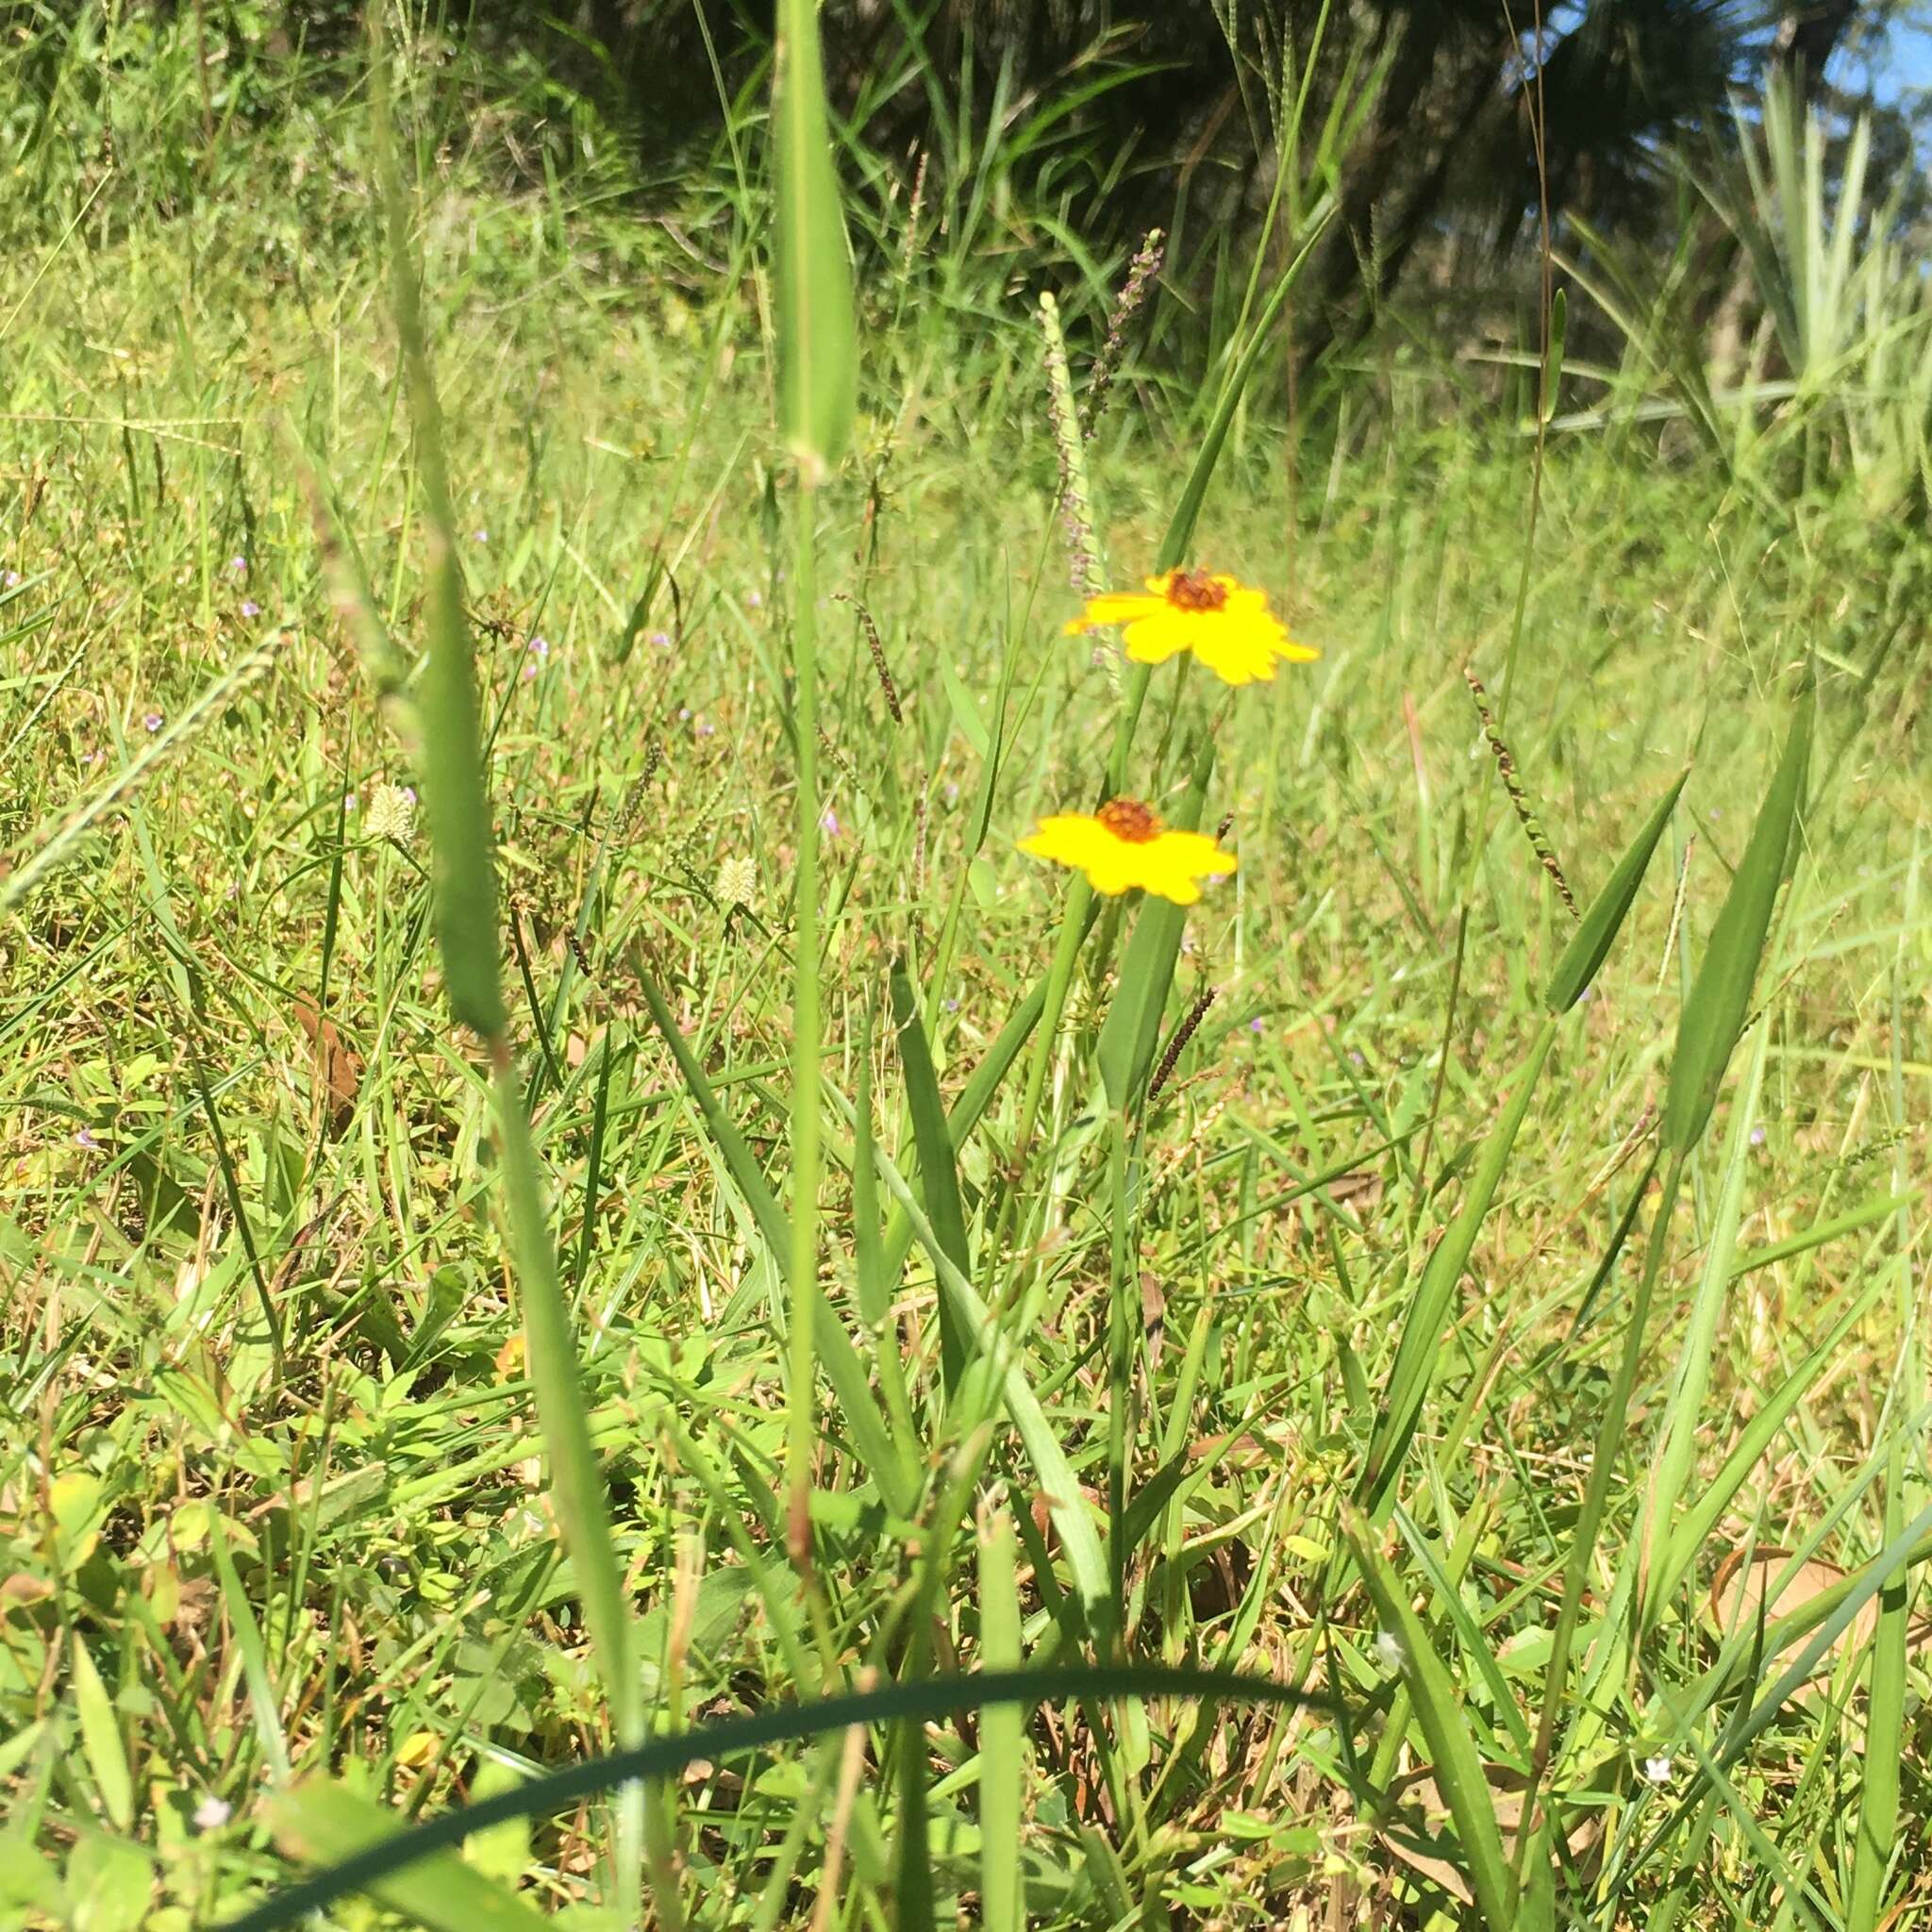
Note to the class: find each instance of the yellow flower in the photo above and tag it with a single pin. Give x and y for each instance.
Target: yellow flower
(1125, 846)
(1228, 627)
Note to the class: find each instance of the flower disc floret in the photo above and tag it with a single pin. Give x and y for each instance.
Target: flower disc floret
(1225, 624)
(1124, 845)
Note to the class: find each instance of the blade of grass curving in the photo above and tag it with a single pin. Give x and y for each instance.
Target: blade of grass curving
(818, 344)
(1002, 1738)
(923, 1701)
(1458, 1769)
(101, 1743)
(1720, 997)
(870, 1438)
(1705, 1513)
(321, 1822)
(1684, 1418)
(939, 1182)
(1591, 941)
(1131, 1030)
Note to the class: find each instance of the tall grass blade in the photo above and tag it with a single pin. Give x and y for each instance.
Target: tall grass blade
(1419, 1353)
(1597, 932)
(1002, 1738)
(939, 1181)
(464, 878)
(1458, 1769)
(818, 345)
(1720, 997)
(869, 1437)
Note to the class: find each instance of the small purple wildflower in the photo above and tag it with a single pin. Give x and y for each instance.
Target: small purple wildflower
(828, 823)
(1758, 1136)
(238, 565)
(684, 714)
(250, 607)
(952, 794)
(11, 578)
(409, 792)
(84, 1139)
(350, 802)
(707, 729)
(539, 647)
(1355, 1054)
(951, 1005)
(662, 638)
(755, 598)
(1257, 1024)
(212, 1813)
(482, 537)
(152, 719)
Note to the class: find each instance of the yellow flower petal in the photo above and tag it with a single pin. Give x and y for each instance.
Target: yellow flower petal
(1170, 864)
(1227, 625)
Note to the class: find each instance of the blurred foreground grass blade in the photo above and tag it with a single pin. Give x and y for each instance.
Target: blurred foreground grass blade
(1458, 1770)
(1002, 1738)
(464, 901)
(322, 1823)
(1131, 1030)
(1419, 1353)
(922, 1700)
(887, 1462)
(1720, 998)
(818, 345)
(454, 799)
(1591, 941)
(939, 1180)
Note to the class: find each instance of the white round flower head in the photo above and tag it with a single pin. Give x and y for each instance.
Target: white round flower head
(392, 813)
(738, 882)
(212, 1813)
(1658, 1769)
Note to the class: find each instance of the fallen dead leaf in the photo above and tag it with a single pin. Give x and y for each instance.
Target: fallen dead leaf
(337, 1064)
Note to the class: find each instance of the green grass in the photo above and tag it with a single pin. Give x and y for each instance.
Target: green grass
(274, 1485)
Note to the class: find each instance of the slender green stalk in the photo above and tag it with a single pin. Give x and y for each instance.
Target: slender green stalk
(806, 1036)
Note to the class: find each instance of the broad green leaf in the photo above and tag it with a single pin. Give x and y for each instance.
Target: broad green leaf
(818, 344)
(100, 1739)
(1458, 1770)
(1598, 930)
(939, 1182)
(325, 1823)
(1720, 998)
(1131, 1030)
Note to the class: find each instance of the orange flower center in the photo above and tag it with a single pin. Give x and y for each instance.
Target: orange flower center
(1194, 589)
(1128, 818)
